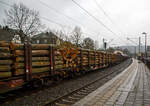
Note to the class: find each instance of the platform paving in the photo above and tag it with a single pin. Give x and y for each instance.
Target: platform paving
(129, 88)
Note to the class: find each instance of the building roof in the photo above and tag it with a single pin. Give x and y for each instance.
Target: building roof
(44, 35)
(118, 52)
(6, 34)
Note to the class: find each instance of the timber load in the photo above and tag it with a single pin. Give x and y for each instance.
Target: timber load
(5, 60)
(42, 58)
(24, 63)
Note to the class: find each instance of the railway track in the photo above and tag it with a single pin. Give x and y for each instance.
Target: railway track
(79, 93)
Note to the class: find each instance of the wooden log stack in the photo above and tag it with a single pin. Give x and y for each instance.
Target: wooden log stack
(46, 58)
(41, 59)
(5, 60)
(92, 58)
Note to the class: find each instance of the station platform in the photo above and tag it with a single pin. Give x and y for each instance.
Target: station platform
(129, 88)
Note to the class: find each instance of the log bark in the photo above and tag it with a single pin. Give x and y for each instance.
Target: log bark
(34, 64)
(59, 67)
(5, 55)
(37, 64)
(4, 49)
(5, 62)
(34, 59)
(34, 52)
(39, 59)
(5, 68)
(4, 44)
(34, 70)
(59, 62)
(34, 46)
(5, 74)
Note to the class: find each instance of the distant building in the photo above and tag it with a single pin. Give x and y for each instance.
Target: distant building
(118, 52)
(45, 38)
(16, 39)
(6, 34)
(148, 48)
(148, 51)
(9, 35)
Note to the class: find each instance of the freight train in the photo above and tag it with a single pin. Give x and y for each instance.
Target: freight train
(36, 64)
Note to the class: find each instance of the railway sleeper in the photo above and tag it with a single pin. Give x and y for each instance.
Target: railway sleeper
(82, 93)
(47, 81)
(78, 95)
(35, 83)
(57, 78)
(72, 97)
(60, 104)
(67, 101)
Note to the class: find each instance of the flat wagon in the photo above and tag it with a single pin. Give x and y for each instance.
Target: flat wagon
(35, 64)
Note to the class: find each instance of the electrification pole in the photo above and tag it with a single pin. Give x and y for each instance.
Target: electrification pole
(139, 44)
(135, 44)
(104, 44)
(135, 52)
(144, 33)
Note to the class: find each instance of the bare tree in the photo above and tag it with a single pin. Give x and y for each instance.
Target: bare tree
(76, 37)
(61, 35)
(88, 43)
(24, 20)
(111, 49)
(96, 45)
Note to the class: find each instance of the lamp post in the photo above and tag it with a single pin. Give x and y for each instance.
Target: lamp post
(135, 46)
(144, 33)
(104, 44)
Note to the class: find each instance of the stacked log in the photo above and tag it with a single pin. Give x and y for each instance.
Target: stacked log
(96, 59)
(110, 58)
(59, 62)
(83, 60)
(5, 60)
(12, 59)
(113, 58)
(104, 59)
(40, 58)
(90, 58)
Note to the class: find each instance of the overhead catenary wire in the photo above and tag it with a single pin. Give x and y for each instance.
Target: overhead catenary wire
(67, 16)
(62, 14)
(51, 8)
(100, 8)
(44, 18)
(104, 12)
(96, 19)
(108, 17)
(5, 4)
(52, 21)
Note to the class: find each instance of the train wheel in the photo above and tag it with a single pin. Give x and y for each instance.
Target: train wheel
(48, 81)
(72, 75)
(77, 73)
(27, 85)
(36, 83)
(57, 78)
(83, 72)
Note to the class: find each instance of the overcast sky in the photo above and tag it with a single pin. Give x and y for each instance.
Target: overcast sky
(129, 18)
